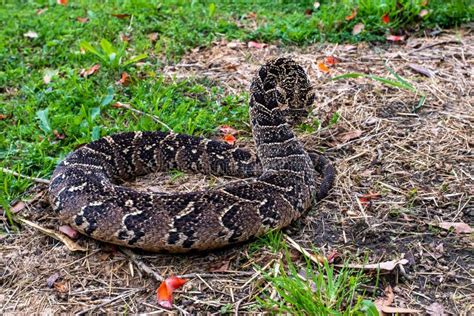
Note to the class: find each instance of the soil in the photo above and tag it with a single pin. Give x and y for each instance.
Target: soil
(402, 169)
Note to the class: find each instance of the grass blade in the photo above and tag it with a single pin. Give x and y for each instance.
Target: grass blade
(135, 59)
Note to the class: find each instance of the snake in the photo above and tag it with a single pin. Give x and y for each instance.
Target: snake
(276, 185)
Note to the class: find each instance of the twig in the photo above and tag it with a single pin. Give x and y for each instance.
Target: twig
(39, 180)
(108, 302)
(141, 265)
(154, 117)
(315, 258)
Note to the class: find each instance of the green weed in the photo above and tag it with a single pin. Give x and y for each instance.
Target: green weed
(319, 290)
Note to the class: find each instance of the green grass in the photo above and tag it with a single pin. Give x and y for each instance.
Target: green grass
(306, 289)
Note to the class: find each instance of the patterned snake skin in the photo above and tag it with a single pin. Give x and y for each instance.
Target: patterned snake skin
(278, 184)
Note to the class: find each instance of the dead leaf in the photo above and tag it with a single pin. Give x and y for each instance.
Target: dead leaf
(120, 15)
(69, 231)
(92, 70)
(386, 266)
(61, 287)
(395, 38)
(257, 45)
(226, 129)
(386, 300)
(347, 136)
(229, 139)
(41, 11)
(58, 135)
(322, 67)
(424, 3)
(164, 293)
(459, 228)
(435, 309)
(349, 48)
(368, 197)
(385, 18)
(124, 79)
(119, 105)
(359, 27)
(153, 37)
(82, 20)
(423, 12)
(332, 256)
(31, 34)
(19, 206)
(426, 72)
(52, 279)
(331, 60)
(71, 245)
(223, 267)
(62, 2)
(352, 15)
(400, 310)
(251, 15)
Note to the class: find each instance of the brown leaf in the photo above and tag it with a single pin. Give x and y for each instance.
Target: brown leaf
(119, 105)
(459, 228)
(92, 70)
(120, 15)
(61, 287)
(386, 300)
(359, 27)
(30, 34)
(69, 231)
(82, 20)
(395, 38)
(52, 279)
(435, 309)
(322, 67)
(19, 206)
(347, 136)
(352, 15)
(124, 79)
(256, 45)
(223, 267)
(426, 72)
(153, 37)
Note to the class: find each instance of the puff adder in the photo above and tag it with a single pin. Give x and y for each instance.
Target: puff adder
(278, 183)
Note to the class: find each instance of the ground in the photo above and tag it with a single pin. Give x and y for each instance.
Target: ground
(402, 168)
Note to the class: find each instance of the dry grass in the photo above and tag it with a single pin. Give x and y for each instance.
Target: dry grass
(420, 163)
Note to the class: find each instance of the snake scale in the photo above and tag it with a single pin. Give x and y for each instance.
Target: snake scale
(278, 183)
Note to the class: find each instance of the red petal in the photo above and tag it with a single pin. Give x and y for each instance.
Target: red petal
(174, 283)
(385, 18)
(229, 139)
(331, 60)
(164, 293)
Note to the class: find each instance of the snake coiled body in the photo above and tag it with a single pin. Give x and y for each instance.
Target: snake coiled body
(278, 183)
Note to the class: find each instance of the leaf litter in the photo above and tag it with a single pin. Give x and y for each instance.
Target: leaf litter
(417, 161)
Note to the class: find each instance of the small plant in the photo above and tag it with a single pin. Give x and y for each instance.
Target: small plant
(318, 291)
(273, 240)
(110, 55)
